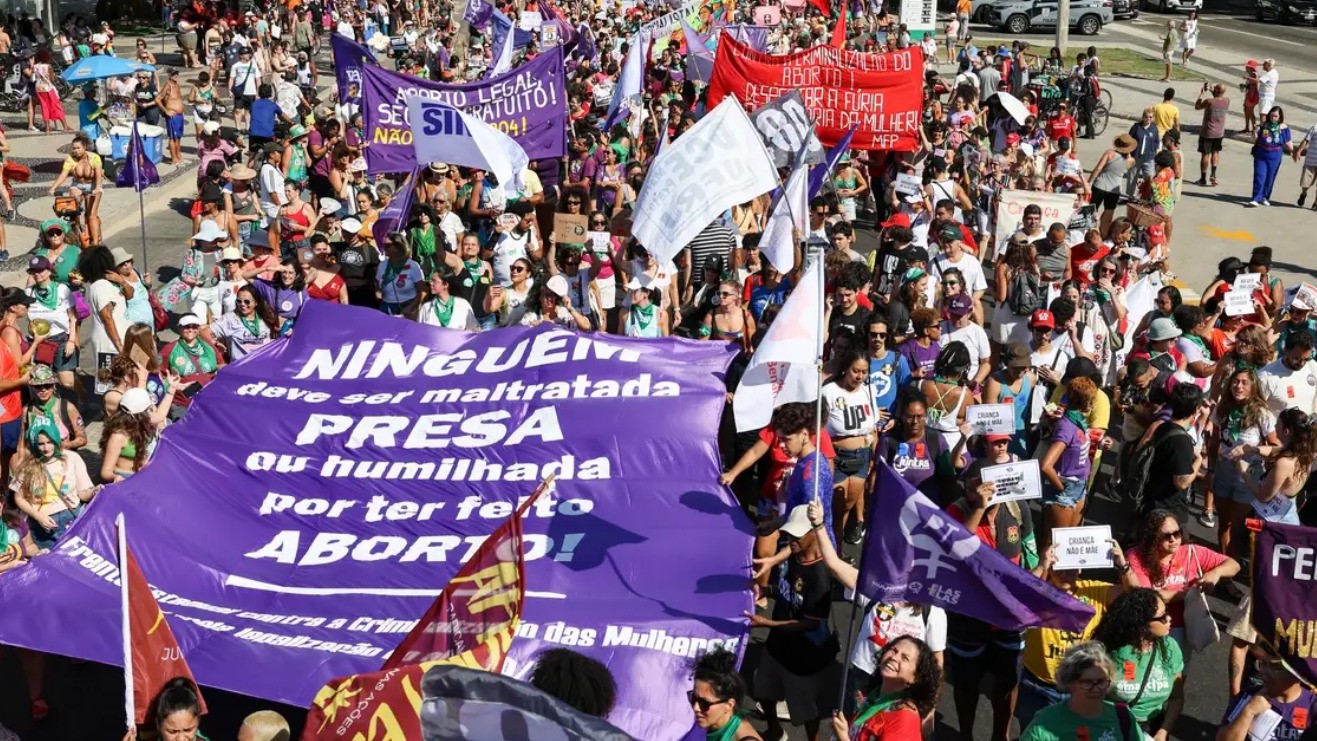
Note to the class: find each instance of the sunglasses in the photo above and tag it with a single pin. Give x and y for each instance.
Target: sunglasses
(573, 203)
(1106, 271)
(599, 223)
(877, 335)
(518, 269)
(1173, 535)
(55, 233)
(1164, 618)
(950, 282)
(726, 295)
(245, 302)
(700, 702)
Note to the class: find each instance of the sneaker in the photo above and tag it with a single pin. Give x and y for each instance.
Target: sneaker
(1208, 518)
(33, 128)
(4, 255)
(1201, 181)
(1303, 196)
(1265, 202)
(1252, 204)
(854, 533)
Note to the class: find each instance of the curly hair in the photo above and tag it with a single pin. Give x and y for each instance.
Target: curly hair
(924, 691)
(1253, 406)
(1125, 623)
(1081, 393)
(137, 427)
(1252, 348)
(789, 419)
(577, 680)
(718, 669)
(122, 369)
(952, 362)
(1149, 532)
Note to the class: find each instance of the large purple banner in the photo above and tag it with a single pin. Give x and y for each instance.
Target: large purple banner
(1285, 593)
(528, 104)
(321, 491)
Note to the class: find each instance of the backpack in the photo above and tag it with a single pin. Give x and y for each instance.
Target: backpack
(1135, 480)
(1025, 293)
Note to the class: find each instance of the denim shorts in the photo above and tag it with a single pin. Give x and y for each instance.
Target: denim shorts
(854, 463)
(1228, 483)
(1034, 696)
(1070, 496)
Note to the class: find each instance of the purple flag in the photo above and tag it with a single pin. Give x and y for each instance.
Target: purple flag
(755, 37)
(1285, 593)
(478, 13)
(395, 215)
(586, 49)
(138, 171)
(322, 490)
(819, 175)
(349, 58)
(918, 553)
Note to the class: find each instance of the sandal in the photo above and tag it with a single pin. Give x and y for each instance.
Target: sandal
(1212, 183)
(40, 709)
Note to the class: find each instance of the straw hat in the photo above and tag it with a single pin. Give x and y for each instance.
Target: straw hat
(1124, 144)
(241, 172)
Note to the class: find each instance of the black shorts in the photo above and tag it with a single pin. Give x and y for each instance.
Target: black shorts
(969, 663)
(244, 102)
(320, 186)
(1209, 146)
(254, 143)
(1107, 199)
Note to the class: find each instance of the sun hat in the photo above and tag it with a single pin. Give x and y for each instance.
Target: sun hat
(189, 320)
(41, 375)
(329, 206)
(241, 172)
(1163, 329)
(135, 401)
(122, 255)
(297, 131)
(209, 232)
(230, 254)
(1018, 355)
(351, 225)
(558, 285)
(1124, 144)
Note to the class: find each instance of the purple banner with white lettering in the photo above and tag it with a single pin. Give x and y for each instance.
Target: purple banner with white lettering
(528, 103)
(919, 553)
(321, 492)
(1285, 593)
(349, 58)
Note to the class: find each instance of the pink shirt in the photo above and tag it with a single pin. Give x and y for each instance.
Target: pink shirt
(211, 154)
(1181, 574)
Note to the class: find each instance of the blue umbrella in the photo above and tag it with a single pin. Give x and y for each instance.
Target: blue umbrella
(101, 66)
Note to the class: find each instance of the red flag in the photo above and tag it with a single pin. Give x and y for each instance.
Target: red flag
(824, 6)
(839, 31)
(151, 654)
(471, 623)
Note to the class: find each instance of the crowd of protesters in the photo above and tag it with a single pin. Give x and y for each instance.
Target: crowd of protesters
(1208, 415)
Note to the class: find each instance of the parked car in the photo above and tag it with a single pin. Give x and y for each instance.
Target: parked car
(1122, 9)
(979, 12)
(1172, 6)
(1087, 17)
(1287, 11)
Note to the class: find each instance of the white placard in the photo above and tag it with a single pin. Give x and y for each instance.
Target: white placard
(907, 183)
(530, 21)
(1082, 547)
(1246, 282)
(1012, 203)
(600, 242)
(1014, 481)
(1238, 303)
(991, 419)
(1264, 725)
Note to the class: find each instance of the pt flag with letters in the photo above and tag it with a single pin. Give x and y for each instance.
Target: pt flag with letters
(349, 58)
(322, 490)
(151, 652)
(528, 104)
(881, 94)
(1285, 594)
(918, 553)
(471, 623)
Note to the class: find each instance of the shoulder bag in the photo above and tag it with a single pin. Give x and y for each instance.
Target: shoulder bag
(1200, 627)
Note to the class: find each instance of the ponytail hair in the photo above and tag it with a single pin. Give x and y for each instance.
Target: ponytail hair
(178, 695)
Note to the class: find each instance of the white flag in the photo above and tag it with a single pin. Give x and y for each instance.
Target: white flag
(716, 164)
(790, 215)
(784, 368)
(443, 133)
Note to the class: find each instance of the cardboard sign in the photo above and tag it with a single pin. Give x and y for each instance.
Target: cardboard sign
(600, 242)
(1015, 481)
(907, 184)
(570, 228)
(1246, 282)
(991, 419)
(1082, 547)
(139, 356)
(507, 219)
(1239, 303)
(768, 15)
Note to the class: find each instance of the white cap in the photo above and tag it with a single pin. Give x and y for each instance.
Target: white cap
(797, 524)
(1299, 304)
(558, 285)
(135, 401)
(189, 320)
(210, 127)
(358, 165)
(639, 280)
(231, 253)
(351, 225)
(210, 232)
(329, 206)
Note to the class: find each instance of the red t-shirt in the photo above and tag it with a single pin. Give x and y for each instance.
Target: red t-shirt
(1180, 575)
(1083, 261)
(1060, 126)
(898, 723)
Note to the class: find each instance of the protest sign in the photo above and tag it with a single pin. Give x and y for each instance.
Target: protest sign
(991, 419)
(1012, 203)
(600, 242)
(908, 184)
(528, 104)
(919, 17)
(1285, 593)
(330, 484)
(881, 93)
(570, 228)
(1082, 547)
(1238, 303)
(548, 35)
(786, 130)
(768, 15)
(1246, 282)
(1014, 481)
(1307, 293)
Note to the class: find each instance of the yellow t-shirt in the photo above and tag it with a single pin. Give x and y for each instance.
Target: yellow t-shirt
(1166, 116)
(1044, 647)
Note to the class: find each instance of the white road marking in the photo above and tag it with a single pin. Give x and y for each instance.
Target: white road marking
(242, 581)
(1255, 35)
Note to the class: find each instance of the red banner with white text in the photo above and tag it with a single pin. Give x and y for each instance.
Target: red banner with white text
(881, 93)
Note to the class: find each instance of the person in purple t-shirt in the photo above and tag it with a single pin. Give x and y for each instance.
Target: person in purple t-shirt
(1065, 465)
(911, 449)
(794, 425)
(921, 350)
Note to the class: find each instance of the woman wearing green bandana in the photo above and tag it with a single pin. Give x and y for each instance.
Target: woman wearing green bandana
(1243, 427)
(716, 697)
(192, 358)
(16, 544)
(1066, 462)
(52, 484)
(902, 693)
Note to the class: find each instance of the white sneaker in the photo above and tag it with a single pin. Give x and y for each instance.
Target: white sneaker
(1266, 203)
(1252, 204)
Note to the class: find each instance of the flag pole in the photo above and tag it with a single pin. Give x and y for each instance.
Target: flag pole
(141, 200)
(129, 702)
(818, 361)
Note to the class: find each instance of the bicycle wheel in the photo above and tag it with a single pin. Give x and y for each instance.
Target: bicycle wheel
(1101, 113)
(1106, 98)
